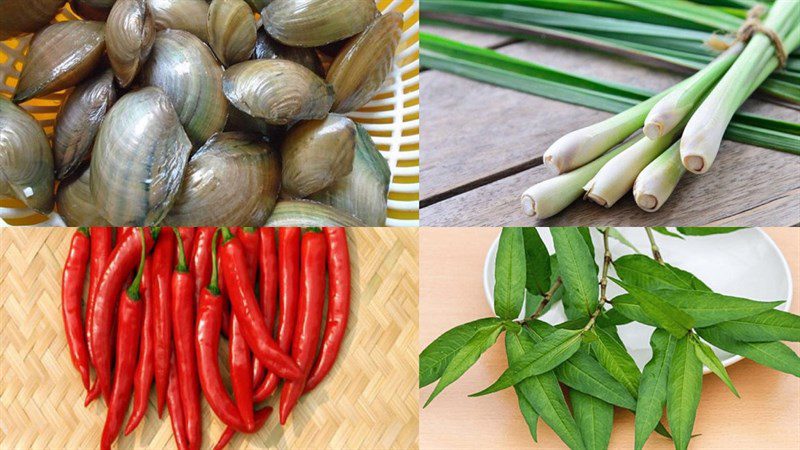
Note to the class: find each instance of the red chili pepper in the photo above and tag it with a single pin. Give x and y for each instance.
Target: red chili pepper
(309, 316)
(176, 415)
(200, 264)
(245, 308)
(122, 261)
(72, 301)
(100, 242)
(288, 288)
(261, 417)
(129, 327)
(162, 302)
(183, 335)
(338, 305)
(268, 288)
(143, 378)
(239, 353)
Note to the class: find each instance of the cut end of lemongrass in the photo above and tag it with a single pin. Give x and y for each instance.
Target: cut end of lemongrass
(647, 202)
(597, 199)
(549, 164)
(695, 164)
(528, 205)
(653, 130)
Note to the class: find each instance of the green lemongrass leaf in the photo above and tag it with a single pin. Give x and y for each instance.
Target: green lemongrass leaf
(438, 354)
(772, 325)
(771, 354)
(548, 354)
(691, 12)
(646, 273)
(612, 355)
(537, 260)
(465, 358)
(707, 356)
(666, 232)
(578, 272)
(709, 308)
(653, 386)
(614, 233)
(543, 393)
(706, 231)
(509, 274)
(528, 413)
(594, 417)
(667, 316)
(684, 383)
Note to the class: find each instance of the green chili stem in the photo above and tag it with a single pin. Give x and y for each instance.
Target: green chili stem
(84, 231)
(213, 285)
(133, 289)
(226, 234)
(182, 266)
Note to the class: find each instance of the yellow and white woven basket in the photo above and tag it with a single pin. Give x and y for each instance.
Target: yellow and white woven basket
(392, 118)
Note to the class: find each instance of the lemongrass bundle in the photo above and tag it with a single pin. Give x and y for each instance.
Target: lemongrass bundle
(656, 182)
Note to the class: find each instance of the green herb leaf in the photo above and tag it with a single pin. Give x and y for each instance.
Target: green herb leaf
(612, 318)
(537, 260)
(466, 357)
(509, 274)
(594, 417)
(611, 354)
(543, 393)
(629, 307)
(578, 272)
(685, 381)
(668, 317)
(709, 308)
(706, 231)
(437, 355)
(647, 273)
(772, 325)
(666, 232)
(710, 359)
(586, 234)
(616, 235)
(548, 354)
(771, 354)
(528, 413)
(653, 387)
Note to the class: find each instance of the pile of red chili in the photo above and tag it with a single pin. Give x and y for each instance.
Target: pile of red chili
(159, 300)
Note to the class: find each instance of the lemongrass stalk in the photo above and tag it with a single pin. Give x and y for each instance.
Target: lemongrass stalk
(550, 197)
(656, 182)
(675, 106)
(703, 135)
(616, 177)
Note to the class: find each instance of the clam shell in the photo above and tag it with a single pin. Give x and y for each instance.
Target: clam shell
(139, 159)
(269, 48)
(312, 23)
(187, 15)
(360, 69)
(233, 179)
(239, 121)
(60, 56)
(130, 33)
(25, 16)
(231, 30)
(315, 153)
(92, 9)
(277, 90)
(79, 119)
(364, 192)
(304, 213)
(75, 203)
(26, 162)
(186, 70)
(257, 5)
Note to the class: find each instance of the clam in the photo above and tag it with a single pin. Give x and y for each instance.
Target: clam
(26, 162)
(360, 69)
(312, 23)
(60, 56)
(364, 192)
(269, 48)
(233, 179)
(187, 15)
(92, 9)
(239, 121)
(78, 121)
(186, 70)
(277, 90)
(130, 32)
(139, 159)
(304, 213)
(26, 16)
(231, 30)
(75, 203)
(315, 153)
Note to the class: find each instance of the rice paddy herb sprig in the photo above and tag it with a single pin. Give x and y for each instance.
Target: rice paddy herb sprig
(585, 354)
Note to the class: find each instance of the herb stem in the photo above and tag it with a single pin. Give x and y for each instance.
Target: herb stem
(546, 299)
(603, 280)
(653, 246)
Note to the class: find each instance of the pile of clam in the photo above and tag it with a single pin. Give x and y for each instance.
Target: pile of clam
(185, 112)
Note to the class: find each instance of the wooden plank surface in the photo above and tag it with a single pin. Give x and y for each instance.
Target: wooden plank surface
(451, 269)
(483, 148)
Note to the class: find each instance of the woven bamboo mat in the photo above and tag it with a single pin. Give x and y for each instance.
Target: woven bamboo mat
(368, 401)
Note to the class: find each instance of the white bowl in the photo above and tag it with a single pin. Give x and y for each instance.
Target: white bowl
(745, 263)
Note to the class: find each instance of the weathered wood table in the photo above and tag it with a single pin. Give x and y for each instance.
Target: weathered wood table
(484, 144)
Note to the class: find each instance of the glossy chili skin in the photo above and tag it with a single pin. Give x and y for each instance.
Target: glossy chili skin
(122, 261)
(239, 354)
(267, 286)
(176, 415)
(338, 304)
(200, 264)
(101, 245)
(245, 308)
(143, 378)
(72, 302)
(261, 417)
(309, 316)
(288, 290)
(163, 264)
(183, 337)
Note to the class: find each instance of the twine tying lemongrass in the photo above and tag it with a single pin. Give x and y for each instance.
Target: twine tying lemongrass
(656, 182)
